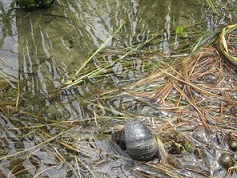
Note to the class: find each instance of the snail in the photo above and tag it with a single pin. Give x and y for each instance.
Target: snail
(138, 141)
(233, 145)
(226, 160)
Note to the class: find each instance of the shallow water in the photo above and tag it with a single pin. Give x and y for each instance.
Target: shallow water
(39, 49)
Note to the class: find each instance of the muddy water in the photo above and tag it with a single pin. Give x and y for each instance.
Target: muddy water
(38, 49)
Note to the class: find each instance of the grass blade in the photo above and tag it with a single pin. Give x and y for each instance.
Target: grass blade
(210, 3)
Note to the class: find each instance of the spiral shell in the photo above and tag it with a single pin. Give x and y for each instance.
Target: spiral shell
(139, 142)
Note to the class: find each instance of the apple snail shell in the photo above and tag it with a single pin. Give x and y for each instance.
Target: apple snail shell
(139, 141)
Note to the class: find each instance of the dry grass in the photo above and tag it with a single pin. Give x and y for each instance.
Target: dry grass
(191, 101)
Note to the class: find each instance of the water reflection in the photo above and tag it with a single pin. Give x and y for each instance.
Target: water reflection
(6, 16)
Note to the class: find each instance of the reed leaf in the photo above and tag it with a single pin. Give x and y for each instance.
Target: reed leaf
(210, 3)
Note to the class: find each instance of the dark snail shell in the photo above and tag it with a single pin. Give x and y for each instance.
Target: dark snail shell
(233, 145)
(140, 143)
(226, 160)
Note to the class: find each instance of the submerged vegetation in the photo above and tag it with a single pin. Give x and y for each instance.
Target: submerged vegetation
(187, 97)
(188, 100)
